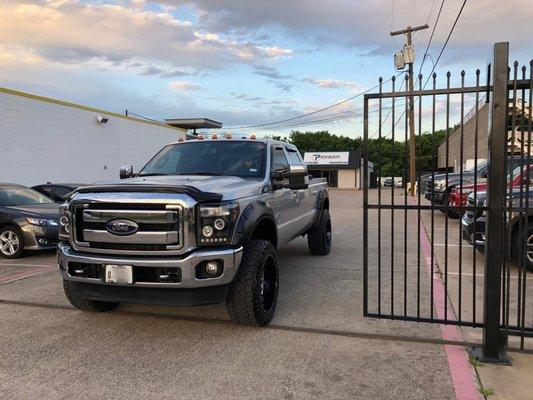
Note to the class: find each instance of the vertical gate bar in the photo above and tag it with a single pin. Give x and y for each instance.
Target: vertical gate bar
(511, 167)
(365, 207)
(521, 259)
(404, 182)
(446, 213)
(380, 163)
(461, 170)
(524, 280)
(492, 345)
(419, 190)
(433, 208)
(476, 136)
(393, 165)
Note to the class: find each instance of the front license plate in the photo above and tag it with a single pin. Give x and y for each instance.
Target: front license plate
(119, 274)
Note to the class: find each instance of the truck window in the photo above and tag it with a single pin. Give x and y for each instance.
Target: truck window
(244, 159)
(294, 157)
(279, 161)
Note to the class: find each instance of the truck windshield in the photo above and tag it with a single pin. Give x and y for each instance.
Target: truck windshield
(21, 196)
(245, 159)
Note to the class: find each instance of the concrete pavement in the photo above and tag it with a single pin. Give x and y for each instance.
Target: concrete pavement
(319, 345)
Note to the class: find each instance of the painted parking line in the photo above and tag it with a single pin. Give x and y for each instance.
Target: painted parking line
(25, 265)
(26, 273)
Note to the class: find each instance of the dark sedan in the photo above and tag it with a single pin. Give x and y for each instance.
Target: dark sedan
(57, 191)
(28, 220)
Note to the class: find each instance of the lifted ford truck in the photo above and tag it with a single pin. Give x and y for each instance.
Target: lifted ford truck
(199, 224)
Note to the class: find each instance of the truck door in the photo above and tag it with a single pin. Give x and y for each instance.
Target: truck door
(284, 201)
(306, 202)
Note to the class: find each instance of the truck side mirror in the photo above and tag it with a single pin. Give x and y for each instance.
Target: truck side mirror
(126, 172)
(298, 178)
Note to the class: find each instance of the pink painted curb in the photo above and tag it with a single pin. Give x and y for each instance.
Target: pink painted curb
(462, 373)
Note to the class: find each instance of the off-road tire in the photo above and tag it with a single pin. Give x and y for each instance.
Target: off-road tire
(319, 237)
(86, 304)
(245, 301)
(20, 236)
(516, 246)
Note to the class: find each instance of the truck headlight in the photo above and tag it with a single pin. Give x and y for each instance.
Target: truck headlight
(217, 222)
(440, 184)
(42, 221)
(64, 222)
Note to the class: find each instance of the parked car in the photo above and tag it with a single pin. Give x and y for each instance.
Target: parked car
(397, 181)
(28, 220)
(438, 189)
(521, 175)
(519, 225)
(200, 224)
(57, 191)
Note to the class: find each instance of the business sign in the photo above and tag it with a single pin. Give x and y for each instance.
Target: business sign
(327, 158)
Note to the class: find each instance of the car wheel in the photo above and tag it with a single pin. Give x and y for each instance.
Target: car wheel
(86, 304)
(11, 242)
(319, 237)
(527, 251)
(253, 294)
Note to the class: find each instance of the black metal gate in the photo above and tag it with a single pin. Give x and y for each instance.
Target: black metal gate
(423, 256)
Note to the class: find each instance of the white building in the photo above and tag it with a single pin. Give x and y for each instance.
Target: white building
(342, 169)
(46, 140)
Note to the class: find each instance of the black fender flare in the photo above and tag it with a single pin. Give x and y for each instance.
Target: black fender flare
(252, 215)
(321, 198)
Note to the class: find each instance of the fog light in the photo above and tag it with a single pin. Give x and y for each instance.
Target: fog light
(43, 242)
(207, 231)
(219, 224)
(211, 268)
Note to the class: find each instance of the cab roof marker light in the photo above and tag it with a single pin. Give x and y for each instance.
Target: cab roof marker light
(228, 136)
(201, 137)
(214, 136)
(252, 137)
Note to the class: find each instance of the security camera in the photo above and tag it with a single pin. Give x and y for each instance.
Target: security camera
(101, 119)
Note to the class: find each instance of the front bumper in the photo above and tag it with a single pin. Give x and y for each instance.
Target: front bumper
(40, 237)
(229, 257)
(467, 228)
(434, 196)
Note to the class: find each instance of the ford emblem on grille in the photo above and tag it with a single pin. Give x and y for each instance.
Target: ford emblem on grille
(122, 227)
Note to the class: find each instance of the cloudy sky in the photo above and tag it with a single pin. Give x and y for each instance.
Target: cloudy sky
(243, 62)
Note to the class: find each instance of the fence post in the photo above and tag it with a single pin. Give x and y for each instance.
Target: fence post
(494, 341)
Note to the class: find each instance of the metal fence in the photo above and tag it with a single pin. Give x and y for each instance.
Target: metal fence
(423, 255)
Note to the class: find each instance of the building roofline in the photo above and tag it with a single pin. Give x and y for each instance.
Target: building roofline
(85, 108)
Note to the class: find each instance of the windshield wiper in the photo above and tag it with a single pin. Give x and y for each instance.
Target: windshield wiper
(153, 174)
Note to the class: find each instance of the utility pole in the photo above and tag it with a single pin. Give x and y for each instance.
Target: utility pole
(412, 136)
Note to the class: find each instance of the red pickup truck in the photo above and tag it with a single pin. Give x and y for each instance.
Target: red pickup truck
(521, 175)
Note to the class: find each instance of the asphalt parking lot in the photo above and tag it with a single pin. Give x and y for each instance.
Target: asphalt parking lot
(319, 345)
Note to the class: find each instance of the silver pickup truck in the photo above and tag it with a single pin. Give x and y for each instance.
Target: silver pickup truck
(199, 224)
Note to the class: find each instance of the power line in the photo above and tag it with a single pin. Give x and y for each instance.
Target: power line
(431, 37)
(446, 42)
(309, 113)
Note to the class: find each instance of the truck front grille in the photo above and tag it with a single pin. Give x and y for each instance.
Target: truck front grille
(159, 227)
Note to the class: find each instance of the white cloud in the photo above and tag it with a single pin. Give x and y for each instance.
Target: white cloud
(184, 86)
(73, 32)
(334, 84)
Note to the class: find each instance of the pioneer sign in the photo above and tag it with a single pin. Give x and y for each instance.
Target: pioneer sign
(327, 158)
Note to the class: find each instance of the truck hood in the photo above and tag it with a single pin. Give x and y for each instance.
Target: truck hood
(229, 187)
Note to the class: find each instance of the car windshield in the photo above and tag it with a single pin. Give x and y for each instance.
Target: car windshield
(21, 196)
(245, 159)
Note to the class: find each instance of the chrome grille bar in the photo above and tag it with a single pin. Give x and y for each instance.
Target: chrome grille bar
(139, 216)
